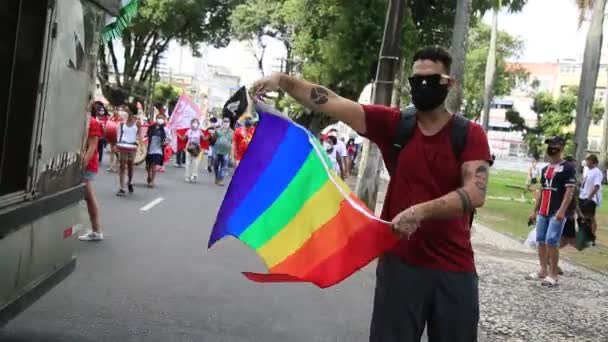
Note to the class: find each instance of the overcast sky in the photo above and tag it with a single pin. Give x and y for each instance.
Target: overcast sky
(549, 29)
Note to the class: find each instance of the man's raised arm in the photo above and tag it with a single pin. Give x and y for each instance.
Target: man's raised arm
(316, 98)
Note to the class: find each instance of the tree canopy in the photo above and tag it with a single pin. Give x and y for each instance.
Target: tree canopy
(158, 22)
(332, 43)
(554, 116)
(507, 47)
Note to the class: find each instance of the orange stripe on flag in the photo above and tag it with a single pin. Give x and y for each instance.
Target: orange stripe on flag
(324, 242)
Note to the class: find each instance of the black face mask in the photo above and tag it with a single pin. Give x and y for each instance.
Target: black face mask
(552, 151)
(427, 92)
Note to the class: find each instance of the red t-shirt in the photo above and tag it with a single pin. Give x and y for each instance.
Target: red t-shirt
(427, 169)
(95, 130)
(205, 139)
(242, 138)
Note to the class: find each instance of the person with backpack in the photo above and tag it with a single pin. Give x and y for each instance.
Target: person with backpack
(129, 138)
(158, 137)
(439, 164)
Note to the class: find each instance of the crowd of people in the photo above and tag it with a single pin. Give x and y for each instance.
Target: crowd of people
(562, 205)
(129, 135)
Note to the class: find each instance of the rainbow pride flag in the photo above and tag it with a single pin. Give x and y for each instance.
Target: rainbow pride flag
(286, 203)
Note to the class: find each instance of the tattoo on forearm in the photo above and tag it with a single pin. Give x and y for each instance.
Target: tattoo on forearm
(319, 95)
(481, 179)
(465, 200)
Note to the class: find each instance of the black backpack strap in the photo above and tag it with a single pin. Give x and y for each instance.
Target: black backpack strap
(405, 132)
(458, 136)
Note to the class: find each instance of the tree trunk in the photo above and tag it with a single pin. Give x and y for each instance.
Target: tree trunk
(604, 141)
(460, 37)
(388, 65)
(590, 70)
(398, 86)
(488, 90)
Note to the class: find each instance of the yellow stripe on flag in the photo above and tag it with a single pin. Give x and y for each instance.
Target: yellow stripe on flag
(318, 210)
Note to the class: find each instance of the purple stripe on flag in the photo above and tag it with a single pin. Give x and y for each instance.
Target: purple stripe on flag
(267, 138)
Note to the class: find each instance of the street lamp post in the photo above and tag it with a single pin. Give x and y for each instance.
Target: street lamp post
(388, 66)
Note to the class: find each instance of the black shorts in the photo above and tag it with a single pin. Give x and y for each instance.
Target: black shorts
(533, 181)
(407, 298)
(587, 207)
(569, 228)
(154, 159)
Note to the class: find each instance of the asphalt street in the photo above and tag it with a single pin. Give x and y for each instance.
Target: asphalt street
(153, 279)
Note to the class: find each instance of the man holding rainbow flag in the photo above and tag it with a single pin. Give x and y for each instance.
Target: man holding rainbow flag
(427, 278)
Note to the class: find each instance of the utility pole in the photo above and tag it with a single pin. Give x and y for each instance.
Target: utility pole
(388, 66)
(490, 69)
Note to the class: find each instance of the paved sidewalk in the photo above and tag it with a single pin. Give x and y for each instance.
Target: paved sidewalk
(515, 309)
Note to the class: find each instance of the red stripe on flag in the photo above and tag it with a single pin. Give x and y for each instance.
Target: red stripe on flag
(372, 239)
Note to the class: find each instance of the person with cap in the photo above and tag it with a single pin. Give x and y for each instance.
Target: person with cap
(557, 181)
(242, 138)
(591, 191)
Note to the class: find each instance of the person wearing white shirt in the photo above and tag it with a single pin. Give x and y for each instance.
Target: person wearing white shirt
(341, 152)
(591, 192)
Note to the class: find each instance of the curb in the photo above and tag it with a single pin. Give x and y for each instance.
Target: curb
(513, 237)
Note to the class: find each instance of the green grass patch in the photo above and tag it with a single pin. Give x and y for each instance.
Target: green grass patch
(510, 216)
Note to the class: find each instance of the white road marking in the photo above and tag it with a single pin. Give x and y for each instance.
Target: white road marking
(151, 204)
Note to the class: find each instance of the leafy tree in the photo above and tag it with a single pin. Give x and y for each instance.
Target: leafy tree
(506, 78)
(165, 93)
(554, 116)
(158, 22)
(258, 20)
(337, 46)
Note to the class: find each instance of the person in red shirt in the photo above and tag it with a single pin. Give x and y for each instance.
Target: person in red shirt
(429, 278)
(242, 138)
(90, 162)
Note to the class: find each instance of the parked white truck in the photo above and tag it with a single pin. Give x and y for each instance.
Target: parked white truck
(48, 53)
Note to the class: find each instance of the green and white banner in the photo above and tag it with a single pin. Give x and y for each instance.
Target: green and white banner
(115, 29)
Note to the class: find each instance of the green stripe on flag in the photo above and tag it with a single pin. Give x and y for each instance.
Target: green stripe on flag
(309, 179)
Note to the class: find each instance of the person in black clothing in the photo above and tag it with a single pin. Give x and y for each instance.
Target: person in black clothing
(158, 138)
(102, 117)
(552, 202)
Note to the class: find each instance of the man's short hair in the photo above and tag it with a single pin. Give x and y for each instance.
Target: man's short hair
(435, 54)
(592, 158)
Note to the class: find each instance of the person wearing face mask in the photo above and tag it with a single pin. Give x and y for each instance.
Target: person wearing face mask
(242, 138)
(194, 137)
(430, 200)
(129, 137)
(213, 125)
(331, 148)
(557, 182)
(221, 150)
(102, 117)
(158, 137)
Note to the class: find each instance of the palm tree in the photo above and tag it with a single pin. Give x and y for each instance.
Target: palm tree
(490, 68)
(459, 51)
(590, 70)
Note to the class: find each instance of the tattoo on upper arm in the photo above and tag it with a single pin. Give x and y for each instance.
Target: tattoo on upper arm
(481, 178)
(319, 95)
(465, 200)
